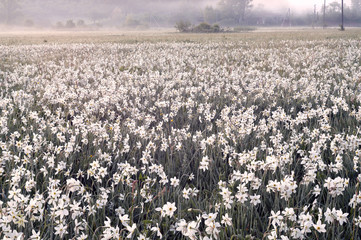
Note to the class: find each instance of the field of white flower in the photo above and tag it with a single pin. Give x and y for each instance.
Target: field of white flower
(204, 140)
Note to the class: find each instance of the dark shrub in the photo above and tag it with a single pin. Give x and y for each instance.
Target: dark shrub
(183, 26)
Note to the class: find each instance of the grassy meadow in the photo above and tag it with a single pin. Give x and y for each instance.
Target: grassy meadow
(161, 135)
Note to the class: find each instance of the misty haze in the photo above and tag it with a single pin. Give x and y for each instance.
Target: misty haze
(180, 119)
(146, 14)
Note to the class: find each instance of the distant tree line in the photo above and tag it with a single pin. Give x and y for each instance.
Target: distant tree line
(242, 12)
(140, 14)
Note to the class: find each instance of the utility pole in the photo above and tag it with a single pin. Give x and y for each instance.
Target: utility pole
(342, 27)
(287, 19)
(314, 16)
(324, 14)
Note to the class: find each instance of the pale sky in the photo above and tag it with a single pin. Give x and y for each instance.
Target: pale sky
(295, 5)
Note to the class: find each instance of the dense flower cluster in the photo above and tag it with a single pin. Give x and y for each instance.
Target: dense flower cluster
(174, 140)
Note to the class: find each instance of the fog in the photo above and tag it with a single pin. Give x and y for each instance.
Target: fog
(299, 6)
(144, 14)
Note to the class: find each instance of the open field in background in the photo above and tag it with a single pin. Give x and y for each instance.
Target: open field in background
(161, 135)
(261, 34)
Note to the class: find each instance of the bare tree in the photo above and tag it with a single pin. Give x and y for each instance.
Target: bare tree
(9, 8)
(356, 7)
(236, 8)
